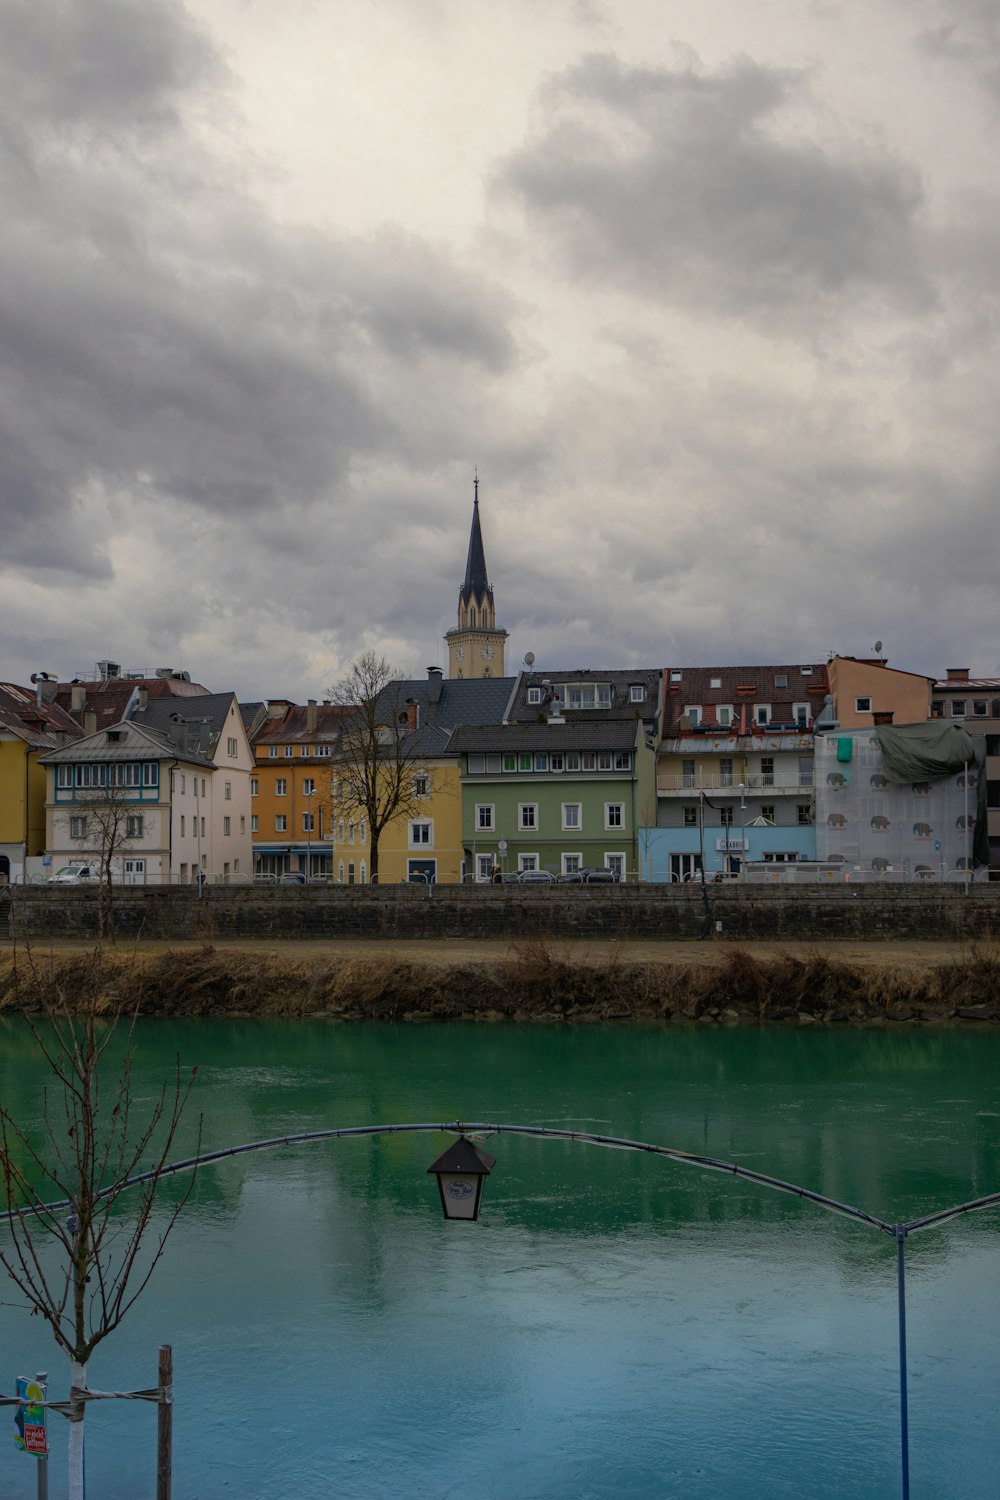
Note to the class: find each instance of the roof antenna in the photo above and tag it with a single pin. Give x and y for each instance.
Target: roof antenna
(476, 486)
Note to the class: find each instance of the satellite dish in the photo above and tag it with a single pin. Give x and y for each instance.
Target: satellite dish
(529, 658)
(878, 648)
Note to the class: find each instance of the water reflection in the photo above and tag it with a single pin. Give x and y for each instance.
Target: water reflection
(615, 1325)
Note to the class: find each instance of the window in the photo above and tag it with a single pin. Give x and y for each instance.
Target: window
(623, 760)
(588, 760)
(805, 770)
(281, 787)
(726, 817)
(308, 822)
(231, 748)
(78, 828)
(254, 786)
(527, 815)
(556, 761)
(636, 692)
(958, 708)
(340, 872)
(724, 715)
(484, 867)
(289, 751)
(527, 861)
(604, 761)
(762, 713)
(308, 787)
(534, 695)
(90, 776)
(693, 712)
(800, 713)
(781, 679)
(767, 770)
(229, 791)
(805, 814)
(306, 750)
(484, 817)
(64, 776)
(350, 832)
(421, 835)
(362, 832)
(937, 709)
(725, 772)
(272, 751)
(133, 826)
(182, 825)
(421, 786)
(862, 705)
(525, 762)
(687, 773)
(281, 823)
(227, 824)
(510, 762)
(541, 762)
(613, 815)
(203, 830)
(253, 823)
(615, 863)
(979, 708)
(805, 671)
(715, 682)
(588, 695)
(571, 863)
(676, 677)
(690, 815)
(767, 811)
(571, 815)
(323, 749)
(572, 760)
(340, 831)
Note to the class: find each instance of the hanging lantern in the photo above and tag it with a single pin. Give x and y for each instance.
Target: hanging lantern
(461, 1171)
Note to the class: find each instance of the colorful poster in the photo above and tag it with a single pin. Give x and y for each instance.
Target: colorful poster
(29, 1418)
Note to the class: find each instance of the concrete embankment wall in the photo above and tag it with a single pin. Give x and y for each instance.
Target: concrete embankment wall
(401, 911)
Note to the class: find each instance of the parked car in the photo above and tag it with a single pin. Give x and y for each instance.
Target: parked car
(530, 877)
(590, 875)
(292, 877)
(75, 875)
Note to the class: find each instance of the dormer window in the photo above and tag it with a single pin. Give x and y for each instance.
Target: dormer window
(115, 736)
(676, 677)
(762, 713)
(805, 671)
(636, 692)
(692, 712)
(781, 679)
(715, 682)
(534, 695)
(588, 695)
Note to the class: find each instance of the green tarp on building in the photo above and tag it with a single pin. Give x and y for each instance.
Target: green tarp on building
(931, 752)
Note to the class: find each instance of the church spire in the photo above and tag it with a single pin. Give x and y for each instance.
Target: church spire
(477, 585)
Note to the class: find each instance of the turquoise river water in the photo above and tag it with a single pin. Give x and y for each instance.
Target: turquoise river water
(614, 1326)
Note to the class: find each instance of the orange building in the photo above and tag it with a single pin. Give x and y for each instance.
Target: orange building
(863, 687)
(290, 817)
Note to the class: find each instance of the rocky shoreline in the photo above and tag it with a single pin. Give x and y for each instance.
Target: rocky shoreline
(536, 982)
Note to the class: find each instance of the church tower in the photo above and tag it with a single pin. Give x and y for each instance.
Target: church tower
(476, 647)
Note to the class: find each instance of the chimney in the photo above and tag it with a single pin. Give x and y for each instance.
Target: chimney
(882, 716)
(958, 674)
(143, 698)
(435, 678)
(46, 687)
(311, 716)
(90, 721)
(78, 699)
(412, 716)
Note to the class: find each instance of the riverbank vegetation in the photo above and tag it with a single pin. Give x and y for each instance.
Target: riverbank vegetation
(537, 980)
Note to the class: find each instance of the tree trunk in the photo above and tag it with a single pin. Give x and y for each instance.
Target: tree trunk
(373, 872)
(77, 1483)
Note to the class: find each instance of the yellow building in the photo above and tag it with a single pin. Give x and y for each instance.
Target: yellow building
(30, 725)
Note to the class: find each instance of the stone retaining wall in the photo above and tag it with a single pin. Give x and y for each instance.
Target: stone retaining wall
(402, 911)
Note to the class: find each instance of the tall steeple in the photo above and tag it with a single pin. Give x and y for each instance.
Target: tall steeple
(476, 646)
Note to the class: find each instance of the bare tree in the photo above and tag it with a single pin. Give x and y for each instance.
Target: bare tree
(114, 827)
(64, 1183)
(380, 771)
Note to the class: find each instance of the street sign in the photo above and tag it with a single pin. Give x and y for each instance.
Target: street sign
(46, 860)
(29, 1417)
(502, 846)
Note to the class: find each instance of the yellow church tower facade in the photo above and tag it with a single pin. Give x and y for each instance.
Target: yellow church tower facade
(476, 648)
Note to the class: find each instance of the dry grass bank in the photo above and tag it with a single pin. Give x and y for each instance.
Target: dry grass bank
(536, 980)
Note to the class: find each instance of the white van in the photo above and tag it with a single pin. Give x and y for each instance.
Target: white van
(75, 875)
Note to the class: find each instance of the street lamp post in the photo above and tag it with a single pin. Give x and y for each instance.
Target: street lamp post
(307, 796)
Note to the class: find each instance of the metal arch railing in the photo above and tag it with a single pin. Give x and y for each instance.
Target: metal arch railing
(899, 1232)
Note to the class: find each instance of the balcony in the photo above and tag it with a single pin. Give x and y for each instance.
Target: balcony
(776, 783)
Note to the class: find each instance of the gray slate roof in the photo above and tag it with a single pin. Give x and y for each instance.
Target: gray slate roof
(620, 680)
(136, 743)
(614, 734)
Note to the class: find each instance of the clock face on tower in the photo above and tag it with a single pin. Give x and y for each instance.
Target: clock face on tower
(460, 653)
(487, 653)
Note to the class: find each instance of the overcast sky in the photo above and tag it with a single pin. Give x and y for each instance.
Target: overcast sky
(708, 289)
